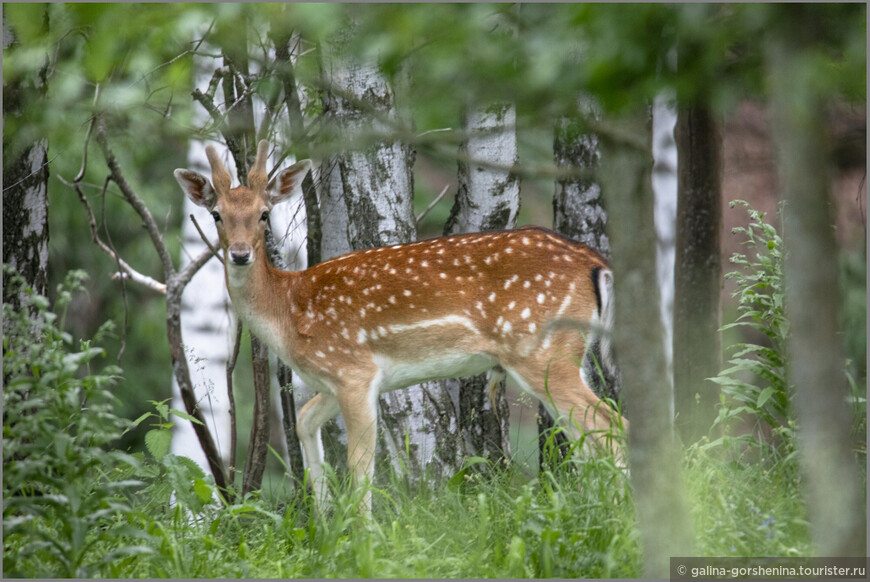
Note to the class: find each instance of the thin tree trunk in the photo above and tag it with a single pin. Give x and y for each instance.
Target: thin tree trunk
(258, 447)
(698, 272)
(298, 138)
(664, 188)
(815, 364)
(487, 199)
(655, 469)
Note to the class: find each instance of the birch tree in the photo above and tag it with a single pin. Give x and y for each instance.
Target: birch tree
(487, 198)
(25, 178)
(367, 190)
(579, 213)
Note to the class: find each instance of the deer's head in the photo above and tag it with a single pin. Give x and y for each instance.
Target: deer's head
(241, 213)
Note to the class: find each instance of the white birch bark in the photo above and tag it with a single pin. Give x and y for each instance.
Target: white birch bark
(664, 186)
(488, 198)
(25, 217)
(578, 207)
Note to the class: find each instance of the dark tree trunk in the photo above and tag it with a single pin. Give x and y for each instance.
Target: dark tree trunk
(240, 135)
(697, 272)
(815, 364)
(258, 449)
(298, 138)
(655, 469)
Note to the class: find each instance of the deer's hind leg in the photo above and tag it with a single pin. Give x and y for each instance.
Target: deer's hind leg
(560, 386)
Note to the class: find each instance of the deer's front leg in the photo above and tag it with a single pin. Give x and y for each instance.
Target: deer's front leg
(316, 411)
(359, 408)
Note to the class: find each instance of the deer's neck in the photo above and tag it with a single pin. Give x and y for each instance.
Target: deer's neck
(260, 294)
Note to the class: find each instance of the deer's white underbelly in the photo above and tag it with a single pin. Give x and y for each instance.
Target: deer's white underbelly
(396, 374)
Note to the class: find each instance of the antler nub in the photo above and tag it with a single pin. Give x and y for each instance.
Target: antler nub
(258, 177)
(220, 177)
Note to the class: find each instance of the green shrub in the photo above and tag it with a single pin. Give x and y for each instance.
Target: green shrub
(755, 387)
(63, 499)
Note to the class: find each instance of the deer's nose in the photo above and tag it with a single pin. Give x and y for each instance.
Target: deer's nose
(240, 253)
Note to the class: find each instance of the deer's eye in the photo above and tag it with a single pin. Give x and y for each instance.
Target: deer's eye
(216, 216)
(265, 216)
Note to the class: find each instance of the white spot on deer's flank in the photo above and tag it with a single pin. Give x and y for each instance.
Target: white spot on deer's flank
(540, 298)
(361, 336)
(526, 313)
(406, 293)
(492, 297)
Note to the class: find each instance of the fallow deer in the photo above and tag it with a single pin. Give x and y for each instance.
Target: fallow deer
(380, 319)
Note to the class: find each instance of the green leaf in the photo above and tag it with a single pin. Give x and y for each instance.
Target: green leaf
(158, 442)
(765, 396)
(184, 415)
(203, 490)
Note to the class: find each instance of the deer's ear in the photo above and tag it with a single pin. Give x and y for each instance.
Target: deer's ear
(288, 181)
(197, 187)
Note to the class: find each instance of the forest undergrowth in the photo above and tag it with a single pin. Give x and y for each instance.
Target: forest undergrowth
(75, 506)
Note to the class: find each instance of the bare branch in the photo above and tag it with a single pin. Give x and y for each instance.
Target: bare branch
(432, 205)
(193, 267)
(135, 201)
(231, 365)
(208, 243)
(207, 99)
(127, 272)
